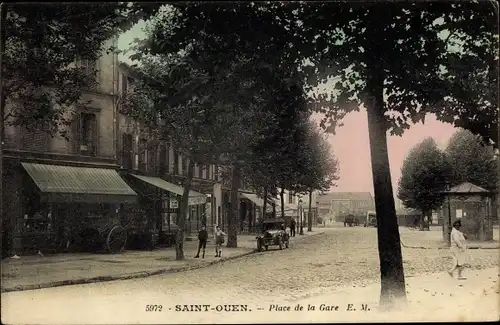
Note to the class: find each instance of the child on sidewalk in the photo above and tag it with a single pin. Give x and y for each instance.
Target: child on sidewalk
(219, 240)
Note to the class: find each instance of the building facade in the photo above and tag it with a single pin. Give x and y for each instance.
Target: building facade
(162, 169)
(55, 186)
(341, 204)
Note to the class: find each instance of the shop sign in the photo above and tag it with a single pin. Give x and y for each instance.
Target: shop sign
(197, 200)
(174, 204)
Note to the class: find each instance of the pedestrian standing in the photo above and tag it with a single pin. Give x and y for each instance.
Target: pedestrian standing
(202, 241)
(292, 227)
(219, 240)
(458, 249)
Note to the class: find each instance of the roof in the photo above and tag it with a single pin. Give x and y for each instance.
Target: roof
(351, 196)
(467, 188)
(407, 212)
(130, 70)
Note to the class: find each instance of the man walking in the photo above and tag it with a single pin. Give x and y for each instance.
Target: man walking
(202, 241)
(292, 227)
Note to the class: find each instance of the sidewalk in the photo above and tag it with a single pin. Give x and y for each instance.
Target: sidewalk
(431, 297)
(35, 272)
(433, 239)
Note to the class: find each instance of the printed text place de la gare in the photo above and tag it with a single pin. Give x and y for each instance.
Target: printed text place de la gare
(321, 307)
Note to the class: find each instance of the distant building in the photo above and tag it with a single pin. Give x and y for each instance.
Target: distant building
(341, 204)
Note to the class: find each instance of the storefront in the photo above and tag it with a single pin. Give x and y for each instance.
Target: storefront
(66, 204)
(251, 205)
(171, 199)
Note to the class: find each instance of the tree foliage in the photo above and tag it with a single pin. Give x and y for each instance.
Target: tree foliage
(319, 166)
(391, 58)
(42, 44)
(472, 161)
(423, 176)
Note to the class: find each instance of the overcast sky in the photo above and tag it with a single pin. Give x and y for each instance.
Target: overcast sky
(351, 143)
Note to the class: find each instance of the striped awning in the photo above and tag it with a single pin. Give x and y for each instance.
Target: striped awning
(195, 198)
(79, 184)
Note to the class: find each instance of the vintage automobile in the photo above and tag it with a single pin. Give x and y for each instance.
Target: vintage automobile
(273, 234)
(351, 220)
(371, 219)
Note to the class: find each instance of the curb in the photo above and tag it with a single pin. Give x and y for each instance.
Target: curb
(107, 278)
(136, 275)
(446, 247)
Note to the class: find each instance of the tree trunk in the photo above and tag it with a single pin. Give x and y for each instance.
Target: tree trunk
(264, 208)
(422, 217)
(233, 220)
(3, 232)
(282, 200)
(389, 245)
(309, 213)
(179, 238)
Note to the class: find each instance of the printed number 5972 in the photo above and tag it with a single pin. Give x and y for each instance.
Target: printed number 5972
(154, 307)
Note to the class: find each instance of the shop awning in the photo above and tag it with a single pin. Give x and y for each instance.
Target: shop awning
(79, 184)
(195, 198)
(254, 198)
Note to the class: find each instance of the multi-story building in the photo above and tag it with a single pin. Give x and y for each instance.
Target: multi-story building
(54, 185)
(158, 165)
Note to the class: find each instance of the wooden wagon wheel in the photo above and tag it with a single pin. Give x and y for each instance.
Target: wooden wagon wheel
(117, 238)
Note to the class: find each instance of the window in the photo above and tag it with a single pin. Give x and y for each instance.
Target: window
(127, 148)
(290, 198)
(209, 170)
(176, 162)
(151, 159)
(184, 165)
(143, 154)
(167, 157)
(124, 84)
(90, 67)
(87, 144)
(35, 138)
(200, 171)
(216, 174)
(163, 159)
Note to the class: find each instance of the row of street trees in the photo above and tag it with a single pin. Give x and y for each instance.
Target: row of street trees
(427, 169)
(399, 60)
(249, 118)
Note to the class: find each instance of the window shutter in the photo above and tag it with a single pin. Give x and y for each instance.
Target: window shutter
(35, 140)
(76, 133)
(127, 150)
(95, 135)
(124, 84)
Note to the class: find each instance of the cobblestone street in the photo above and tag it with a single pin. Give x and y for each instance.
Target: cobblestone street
(341, 257)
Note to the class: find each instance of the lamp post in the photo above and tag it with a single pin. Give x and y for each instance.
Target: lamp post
(301, 231)
(447, 189)
(317, 213)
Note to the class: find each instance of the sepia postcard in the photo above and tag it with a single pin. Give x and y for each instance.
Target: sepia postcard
(249, 162)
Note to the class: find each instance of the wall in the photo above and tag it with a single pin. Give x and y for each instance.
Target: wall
(475, 223)
(101, 99)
